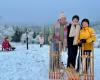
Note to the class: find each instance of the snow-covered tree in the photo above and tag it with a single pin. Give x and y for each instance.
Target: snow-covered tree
(30, 37)
(6, 30)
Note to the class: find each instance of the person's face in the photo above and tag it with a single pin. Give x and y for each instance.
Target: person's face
(6, 39)
(63, 20)
(85, 24)
(75, 21)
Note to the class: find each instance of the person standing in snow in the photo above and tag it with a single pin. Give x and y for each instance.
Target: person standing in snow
(87, 35)
(41, 40)
(57, 38)
(72, 40)
(86, 38)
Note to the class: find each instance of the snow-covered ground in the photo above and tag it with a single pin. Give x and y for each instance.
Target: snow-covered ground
(96, 63)
(31, 64)
(24, 64)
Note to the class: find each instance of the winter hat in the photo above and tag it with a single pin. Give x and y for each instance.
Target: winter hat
(6, 37)
(62, 15)
(85, 20)
(75, 16)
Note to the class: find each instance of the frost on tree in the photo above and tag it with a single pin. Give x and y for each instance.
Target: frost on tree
(6, 30)
(30, 37)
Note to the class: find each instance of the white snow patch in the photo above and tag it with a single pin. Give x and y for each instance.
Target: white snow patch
(32, 64)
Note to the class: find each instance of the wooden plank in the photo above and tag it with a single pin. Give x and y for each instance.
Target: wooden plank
(72, 74)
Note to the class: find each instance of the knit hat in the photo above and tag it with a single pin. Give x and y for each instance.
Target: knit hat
(62, 15)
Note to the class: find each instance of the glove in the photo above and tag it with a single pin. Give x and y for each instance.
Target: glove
(80, 44)
(83, 40)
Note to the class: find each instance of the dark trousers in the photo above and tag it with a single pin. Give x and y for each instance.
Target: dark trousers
(41, 45)
(72, 54)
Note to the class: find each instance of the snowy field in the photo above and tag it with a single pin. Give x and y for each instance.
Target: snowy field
(31, 64)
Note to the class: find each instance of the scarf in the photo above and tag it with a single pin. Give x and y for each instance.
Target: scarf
(59, 31)
(74, 32)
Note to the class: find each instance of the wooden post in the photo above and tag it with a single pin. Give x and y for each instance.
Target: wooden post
(27, 39)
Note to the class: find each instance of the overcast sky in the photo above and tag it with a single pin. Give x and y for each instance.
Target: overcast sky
(47, 11)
